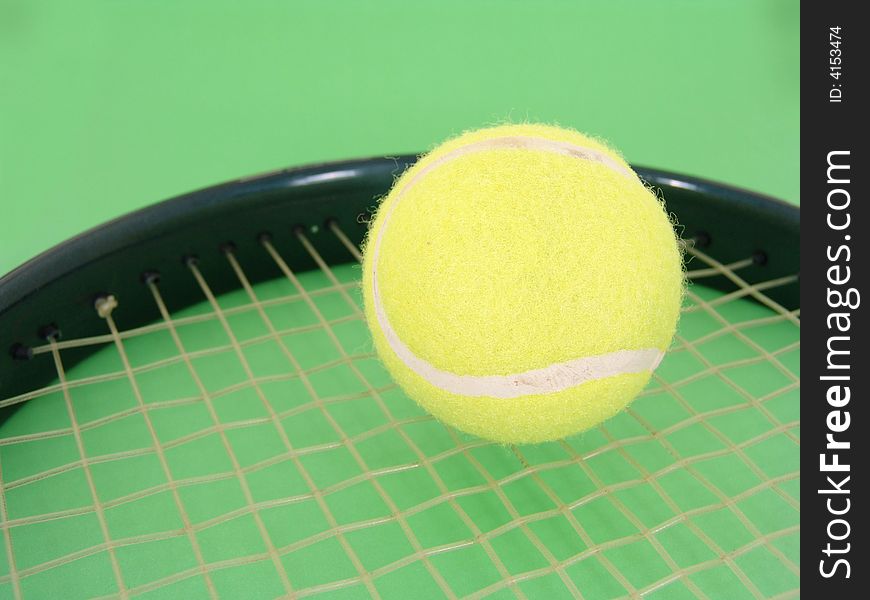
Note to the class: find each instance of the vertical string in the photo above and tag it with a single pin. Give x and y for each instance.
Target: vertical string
(104, 307)
(86, 468)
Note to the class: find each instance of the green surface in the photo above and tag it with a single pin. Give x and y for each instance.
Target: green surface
(106, 106)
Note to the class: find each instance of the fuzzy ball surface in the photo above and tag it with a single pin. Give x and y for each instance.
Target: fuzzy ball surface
(521, 283)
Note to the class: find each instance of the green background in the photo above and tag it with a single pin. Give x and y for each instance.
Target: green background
(110, 105)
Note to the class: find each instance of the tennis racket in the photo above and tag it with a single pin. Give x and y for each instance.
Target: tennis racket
(191, 408)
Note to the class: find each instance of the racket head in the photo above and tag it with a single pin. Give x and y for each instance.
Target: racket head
(191, 407)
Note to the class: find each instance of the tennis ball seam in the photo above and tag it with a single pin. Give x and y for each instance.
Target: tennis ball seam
(552, 378)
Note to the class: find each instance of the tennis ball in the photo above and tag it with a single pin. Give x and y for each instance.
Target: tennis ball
(521, 283)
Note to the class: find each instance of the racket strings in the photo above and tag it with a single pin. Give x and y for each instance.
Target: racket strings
(495, 472)
(423, 461)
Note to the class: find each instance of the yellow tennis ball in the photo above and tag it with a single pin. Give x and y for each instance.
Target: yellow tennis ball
(521, 283)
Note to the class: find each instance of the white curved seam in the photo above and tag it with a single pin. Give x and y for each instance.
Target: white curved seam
(546, 380)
